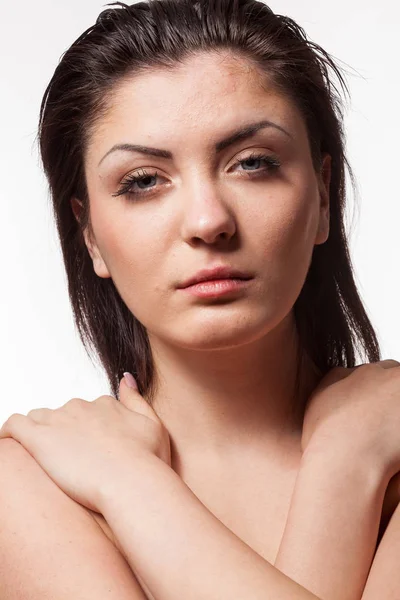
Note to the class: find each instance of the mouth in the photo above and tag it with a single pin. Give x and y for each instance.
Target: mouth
(217, 274)
(217, 287)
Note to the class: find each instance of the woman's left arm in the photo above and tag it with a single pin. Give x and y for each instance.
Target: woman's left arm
(332, 527)
(112, 457)
(384, 577)
(178, 547)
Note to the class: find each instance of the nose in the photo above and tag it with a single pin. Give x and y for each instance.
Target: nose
(206, 216)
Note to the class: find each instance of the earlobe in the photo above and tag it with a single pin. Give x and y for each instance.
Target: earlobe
(99, 265)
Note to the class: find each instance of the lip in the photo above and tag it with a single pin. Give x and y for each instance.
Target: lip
(215, 274)
(217, 288)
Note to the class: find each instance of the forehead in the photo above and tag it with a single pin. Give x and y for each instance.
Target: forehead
(208, 93)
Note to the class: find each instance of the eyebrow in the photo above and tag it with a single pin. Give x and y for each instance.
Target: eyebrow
(241, 134)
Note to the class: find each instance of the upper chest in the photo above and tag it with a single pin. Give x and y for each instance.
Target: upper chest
(253, 502)
(252, 499)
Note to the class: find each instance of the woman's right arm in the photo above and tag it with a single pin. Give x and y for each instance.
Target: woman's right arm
(351, 451)
(384, 578)
(332, 527)
(50, 546)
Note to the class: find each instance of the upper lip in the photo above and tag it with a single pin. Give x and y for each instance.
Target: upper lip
(220, 272)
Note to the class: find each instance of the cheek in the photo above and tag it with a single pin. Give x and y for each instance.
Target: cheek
(284, 239)
(298, 228)
(135, 257)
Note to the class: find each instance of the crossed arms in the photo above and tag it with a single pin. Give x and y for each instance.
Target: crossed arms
(178, 549)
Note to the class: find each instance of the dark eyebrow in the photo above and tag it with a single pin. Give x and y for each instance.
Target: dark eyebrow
(241, 134)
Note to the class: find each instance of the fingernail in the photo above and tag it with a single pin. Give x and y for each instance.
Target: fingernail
(130, 381)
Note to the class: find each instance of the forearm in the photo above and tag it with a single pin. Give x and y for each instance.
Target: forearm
(180, 549)
(384, 577)
(332, 526)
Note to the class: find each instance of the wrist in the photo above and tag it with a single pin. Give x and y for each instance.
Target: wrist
(133, 474)
(358, 447)
(346, 458)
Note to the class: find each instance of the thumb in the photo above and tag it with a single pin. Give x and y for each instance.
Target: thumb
(130, 397)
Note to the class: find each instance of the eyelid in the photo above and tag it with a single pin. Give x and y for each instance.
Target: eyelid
(141, 173)
(238, 158)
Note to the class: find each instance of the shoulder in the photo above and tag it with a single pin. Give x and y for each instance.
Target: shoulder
(19, 468)
(20, 471)
(13, 454)
(51, 545)
(26, 487)
(15, 462)
(11, 448)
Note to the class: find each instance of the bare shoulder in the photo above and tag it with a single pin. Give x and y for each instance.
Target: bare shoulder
(11, 448)
(24, 481)
(51, 546)
(18, 468)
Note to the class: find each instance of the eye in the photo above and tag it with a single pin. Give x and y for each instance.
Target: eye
(127, 184)
(271, 161)
(146, 186)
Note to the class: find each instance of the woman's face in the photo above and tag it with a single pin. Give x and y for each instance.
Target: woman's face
(209, 203)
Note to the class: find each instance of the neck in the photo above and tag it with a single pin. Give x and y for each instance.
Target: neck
(219, 402)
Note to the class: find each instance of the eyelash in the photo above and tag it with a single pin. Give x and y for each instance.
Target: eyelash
(130, 180)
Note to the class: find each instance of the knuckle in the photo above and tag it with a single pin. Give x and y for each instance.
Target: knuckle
(74, 402)
(12, 418)
(364, 367)
(105, 399)
(389, 362)
(34, 411)
(39, 411)
(13, 422)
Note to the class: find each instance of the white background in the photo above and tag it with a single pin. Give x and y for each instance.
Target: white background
(43, 362)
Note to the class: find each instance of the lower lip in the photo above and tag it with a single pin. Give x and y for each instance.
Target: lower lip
(216, 288)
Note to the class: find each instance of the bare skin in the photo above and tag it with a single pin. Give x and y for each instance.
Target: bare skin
(225, 370)
(253, 503)
(42, 503)
(260, 520)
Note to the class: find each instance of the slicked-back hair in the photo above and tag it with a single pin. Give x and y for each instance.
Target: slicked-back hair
(128, 40)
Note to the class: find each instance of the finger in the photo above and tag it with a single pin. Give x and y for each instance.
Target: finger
(389, 363)
(131, 398)
(40, 415)
(21, 428)
(338, 373)
(333, 376)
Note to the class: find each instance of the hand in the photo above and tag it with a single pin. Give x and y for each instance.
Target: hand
(82, 444)
(359, 408)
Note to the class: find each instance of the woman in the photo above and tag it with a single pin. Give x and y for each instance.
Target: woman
(189, 141)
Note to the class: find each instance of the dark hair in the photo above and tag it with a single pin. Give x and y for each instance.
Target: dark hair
(330, 317)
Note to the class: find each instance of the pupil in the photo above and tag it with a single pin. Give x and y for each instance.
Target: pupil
(146, 179)
(252, 160)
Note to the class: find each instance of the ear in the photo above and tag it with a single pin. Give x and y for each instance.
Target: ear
(324, 179)
(99, 265)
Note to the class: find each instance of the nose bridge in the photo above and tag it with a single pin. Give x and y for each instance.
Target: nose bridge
(206, 213)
